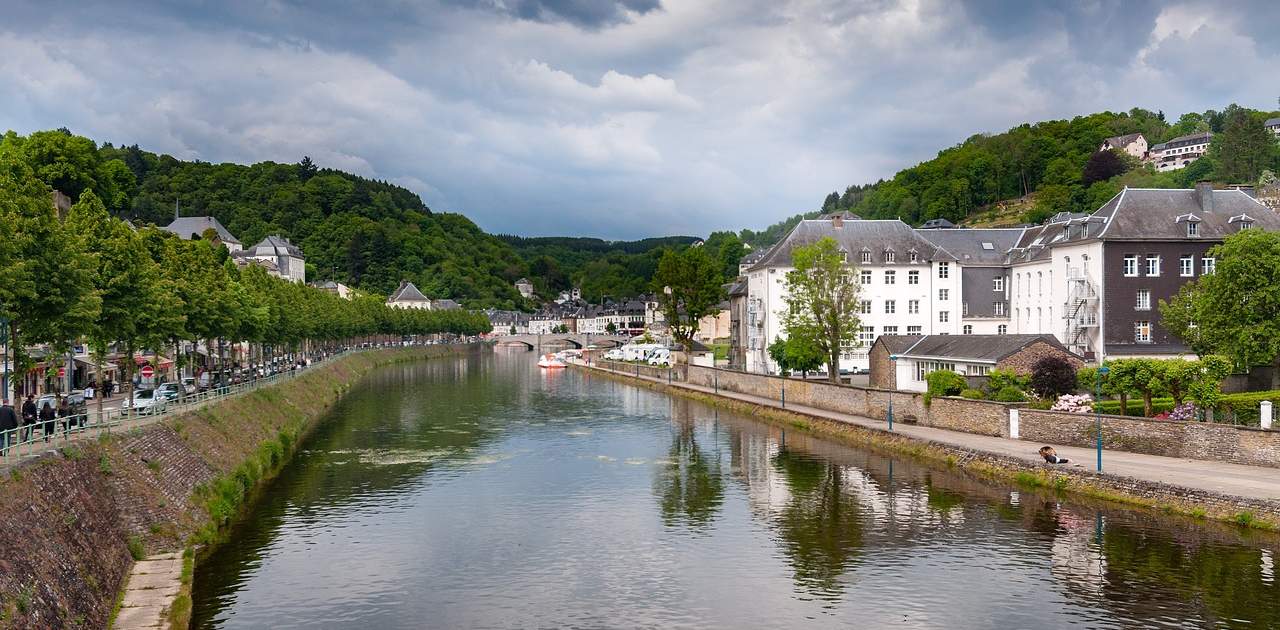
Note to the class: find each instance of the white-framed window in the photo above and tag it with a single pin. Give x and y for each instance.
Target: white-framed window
(944, 270)
(864, 307)
(1142, 331)
(923, 368)
(1207, 265)
(998, 307)
(943, 294)
(944, 316)
(1130, 265)
(1193, 228)
(890, 257)
(890, 277)
(914, 330)
(1002, 329)
(1017, 284)
(1144, 300)
(1040, 282)
(890, 307)
(913, 257)
(997, 284)
(1187, 266)
(890, 330)
(866, 257)
(866, 335)
(1153, 265)
(864, 277)
(913, 277)
(913, 307)
(967, 329)
(978, 370)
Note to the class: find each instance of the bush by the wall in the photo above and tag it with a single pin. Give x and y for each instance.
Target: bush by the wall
(1009, 394)
(945, 383)
(973, 394)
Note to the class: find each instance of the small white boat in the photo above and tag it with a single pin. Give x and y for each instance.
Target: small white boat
(550, 361)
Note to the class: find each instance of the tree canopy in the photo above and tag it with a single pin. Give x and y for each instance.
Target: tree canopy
(822, 300)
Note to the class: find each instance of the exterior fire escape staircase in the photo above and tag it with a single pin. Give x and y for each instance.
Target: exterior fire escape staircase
(1080, 312)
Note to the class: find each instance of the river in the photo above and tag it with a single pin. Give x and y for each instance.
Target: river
(482, 492)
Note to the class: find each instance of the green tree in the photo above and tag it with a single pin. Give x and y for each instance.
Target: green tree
(1244, 148)
(796, 354)
(688, 286)
(822, 299)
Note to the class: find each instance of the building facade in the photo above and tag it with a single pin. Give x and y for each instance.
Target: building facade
(1179, 152)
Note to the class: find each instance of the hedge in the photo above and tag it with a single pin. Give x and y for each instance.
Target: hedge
(1239, 408)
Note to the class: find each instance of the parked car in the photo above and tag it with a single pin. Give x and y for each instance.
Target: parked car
(189, 386)
(169, 391)
(660, 357)
(74, 399)
(145, 401)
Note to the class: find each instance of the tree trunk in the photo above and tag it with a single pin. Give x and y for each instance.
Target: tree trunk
(128, 377)
(98, 373)
(1146, 403)
(1124, 404)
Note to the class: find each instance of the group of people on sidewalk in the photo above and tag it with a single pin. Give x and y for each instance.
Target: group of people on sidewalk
(15, 429)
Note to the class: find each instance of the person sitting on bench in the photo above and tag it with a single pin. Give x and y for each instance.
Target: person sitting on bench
(1051, 455)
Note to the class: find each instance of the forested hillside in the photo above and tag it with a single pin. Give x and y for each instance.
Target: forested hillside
(367, 233)
(1058, 162)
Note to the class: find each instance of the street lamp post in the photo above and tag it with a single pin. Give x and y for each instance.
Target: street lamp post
(1097, 412)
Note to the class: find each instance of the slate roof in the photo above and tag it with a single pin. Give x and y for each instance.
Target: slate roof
(976, 246)
(188, 228)
(1152, 214)
(1272, 122)
(877, 236)
(936, 224)
(406, 292)
(1121, 142)
(444, 304)
(273, 245)
(737, 287)
(1186, 141)
(973, 348)
(753, 256)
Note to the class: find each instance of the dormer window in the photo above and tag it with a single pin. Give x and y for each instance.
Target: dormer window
(1193, 228)
(913, 256)
(889, 256)
(1242, 221)
(866, 256)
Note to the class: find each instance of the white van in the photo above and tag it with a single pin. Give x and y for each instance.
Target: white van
(660, 357)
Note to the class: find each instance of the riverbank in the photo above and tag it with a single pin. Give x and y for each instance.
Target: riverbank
(74, 521)
(1245, 495)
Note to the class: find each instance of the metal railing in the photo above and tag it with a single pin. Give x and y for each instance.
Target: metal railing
(43, 436)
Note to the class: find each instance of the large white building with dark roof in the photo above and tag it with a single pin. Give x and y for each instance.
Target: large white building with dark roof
(189, 228)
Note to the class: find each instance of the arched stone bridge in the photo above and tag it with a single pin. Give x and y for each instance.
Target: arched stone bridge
(573, 340)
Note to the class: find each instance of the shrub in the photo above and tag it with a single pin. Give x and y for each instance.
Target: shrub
(1073, 403)
(973, 394)
(945, 383)
(1185, 411)
(1053, 376)
(1009, 394)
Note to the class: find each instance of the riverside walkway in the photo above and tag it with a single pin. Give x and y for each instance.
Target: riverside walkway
(1252, 482)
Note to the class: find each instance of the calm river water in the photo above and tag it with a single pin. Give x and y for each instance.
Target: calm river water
(483, 493)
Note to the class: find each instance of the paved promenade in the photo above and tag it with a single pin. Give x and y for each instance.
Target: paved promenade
(1253, 482)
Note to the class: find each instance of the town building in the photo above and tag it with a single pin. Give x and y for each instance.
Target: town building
(1134, 144)
(1179, 152)
(191, 228)
(737, 292)
(984, 283)
(286, 259)
(408, 296)
(1273, 125)
(525, 287)
(902, 362)
(507, 322)
(337, 288)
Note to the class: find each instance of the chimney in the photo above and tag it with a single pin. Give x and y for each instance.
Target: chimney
(837, 220)
(1204, 195)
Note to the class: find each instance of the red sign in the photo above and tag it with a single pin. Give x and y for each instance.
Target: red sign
(148, 371)
(62, 372)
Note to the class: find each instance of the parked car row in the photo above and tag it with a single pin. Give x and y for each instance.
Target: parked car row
(655, 354)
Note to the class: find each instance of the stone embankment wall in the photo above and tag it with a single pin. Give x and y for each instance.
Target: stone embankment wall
(1191, 440)
(68, 519)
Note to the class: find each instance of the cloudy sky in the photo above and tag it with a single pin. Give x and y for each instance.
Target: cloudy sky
(614, 118)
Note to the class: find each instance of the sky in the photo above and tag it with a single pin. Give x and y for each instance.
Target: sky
(614, 118)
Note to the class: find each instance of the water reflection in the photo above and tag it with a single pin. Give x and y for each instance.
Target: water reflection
(486, 493)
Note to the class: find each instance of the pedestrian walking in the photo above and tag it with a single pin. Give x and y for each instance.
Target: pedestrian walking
(64, 413)
(8, 426)
(28, 417)
(47, 420)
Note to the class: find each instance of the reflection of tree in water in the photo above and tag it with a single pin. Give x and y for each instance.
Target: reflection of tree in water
(821, 526)
(691, 489)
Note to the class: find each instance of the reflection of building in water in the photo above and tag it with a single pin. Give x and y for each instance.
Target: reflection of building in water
(1268, 567)
(1077, 559)
(751, 454)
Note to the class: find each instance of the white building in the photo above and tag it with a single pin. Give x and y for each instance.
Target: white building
(191, 228)
(1273, 125)
(525, 287)
(408, 296)
(1179, 152)
(287, 258)
(1134, 144)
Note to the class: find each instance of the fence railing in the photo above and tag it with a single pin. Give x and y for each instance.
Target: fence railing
(41, 436)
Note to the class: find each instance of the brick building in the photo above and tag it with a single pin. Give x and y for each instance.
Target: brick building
(970, 355)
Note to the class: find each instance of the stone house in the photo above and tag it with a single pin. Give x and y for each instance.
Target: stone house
(970, 355)
(1134, 144)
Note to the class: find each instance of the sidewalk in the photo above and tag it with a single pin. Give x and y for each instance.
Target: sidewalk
(1254, 482)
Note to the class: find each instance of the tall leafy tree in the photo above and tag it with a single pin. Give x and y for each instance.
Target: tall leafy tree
(1244, 148)
(822, 301)
(689, 287)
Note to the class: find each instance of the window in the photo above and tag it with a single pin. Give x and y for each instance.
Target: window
(913, 306)
(978, 370)
(866, 257)
(943, 294)
(866, 335)
(1130, 265)
(1193, 228)
(864, 307)
(998, 307)
(1142, 331)
(997, 284)
(1207, 265)
(1040, 282)
(913, 330)
(913, 277)
(967, 329)
(890, 277)
(1187, 266)
(1153, 265)
(1144, 300)
(923, 368)
(864, 277)
(944, 316)
(890, 330)
(890, 307)
(1002, 329)
(889, 257)
(944, 270)
(913, 257)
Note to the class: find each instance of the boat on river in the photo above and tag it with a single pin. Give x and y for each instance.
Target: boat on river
(550, 361)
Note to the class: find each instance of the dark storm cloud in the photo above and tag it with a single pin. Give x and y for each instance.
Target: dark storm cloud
(584, 13)
(1098, 32)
